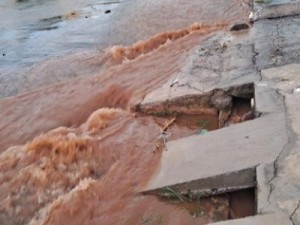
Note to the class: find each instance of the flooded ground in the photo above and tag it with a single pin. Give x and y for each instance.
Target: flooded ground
(34, 31)
(67, 158)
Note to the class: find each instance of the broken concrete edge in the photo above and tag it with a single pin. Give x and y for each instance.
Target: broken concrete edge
(264, 173)
(267, 100)
(220, 184)
(285, 79)
(213, 102)
(277, 10)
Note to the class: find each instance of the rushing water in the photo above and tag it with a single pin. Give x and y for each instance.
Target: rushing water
(36, 30)
(90, 170)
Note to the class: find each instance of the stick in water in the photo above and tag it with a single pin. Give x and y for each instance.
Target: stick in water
(169, 124)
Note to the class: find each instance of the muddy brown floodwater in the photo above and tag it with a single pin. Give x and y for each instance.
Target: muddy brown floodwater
(72, 152)
(85, 175)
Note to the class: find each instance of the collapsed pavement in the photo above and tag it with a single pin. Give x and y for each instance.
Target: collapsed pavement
(263, 153)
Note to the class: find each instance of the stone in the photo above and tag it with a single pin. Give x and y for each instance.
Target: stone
(239, 26)
(221, 100)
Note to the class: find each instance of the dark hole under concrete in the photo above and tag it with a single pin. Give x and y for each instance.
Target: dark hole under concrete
(226, 206)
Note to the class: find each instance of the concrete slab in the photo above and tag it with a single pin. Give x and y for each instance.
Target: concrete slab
(271, 101)
(277, 42)
(221, 61)
(267, 9)
(274, 219)
(232, 149)
(285, 183)
(285, 78)
(264, 174)
(290, 72)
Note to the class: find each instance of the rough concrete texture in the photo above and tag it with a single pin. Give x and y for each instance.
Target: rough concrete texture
(267, 9)
(271, 102)
(264, 173)
(277, 42)
(219, 62)
(270, 219)
(237, 148)
(267, 147)
(263, 152)
(285, 183)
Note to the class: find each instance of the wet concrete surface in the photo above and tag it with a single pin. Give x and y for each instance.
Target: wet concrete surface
(277, 42)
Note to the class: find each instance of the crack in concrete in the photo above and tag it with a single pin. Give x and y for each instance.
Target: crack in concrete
(275, 163)
(295, 210)
(278, 17)
(254, 57)
(278, 43)
(187, 84)
(286, 149)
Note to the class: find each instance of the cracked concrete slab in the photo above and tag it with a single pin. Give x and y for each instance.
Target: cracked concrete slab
(224, 60)
(285, 183)
(271, 101)
(237, 148)
(265, 148)
(277, 42)
(264, 173)
(267, 9)
(285, 78)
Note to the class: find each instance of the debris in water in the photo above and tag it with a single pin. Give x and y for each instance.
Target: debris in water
(174, 82)
(203, 131)
(169, 124)
(251, 16)
(252, 103)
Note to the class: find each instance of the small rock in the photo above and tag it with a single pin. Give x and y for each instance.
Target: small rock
(251, 16)
(221, 101)
(297, 90)
(174, 82)
(239, 26)
(107, 11)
